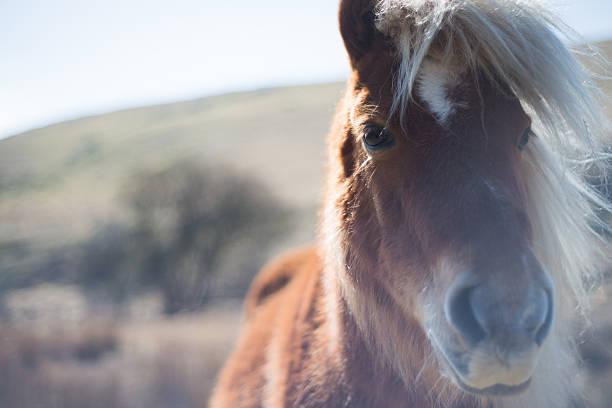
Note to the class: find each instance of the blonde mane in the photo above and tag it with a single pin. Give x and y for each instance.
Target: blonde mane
(517, 43)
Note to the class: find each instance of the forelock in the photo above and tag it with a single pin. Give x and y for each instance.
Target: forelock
(514, 42)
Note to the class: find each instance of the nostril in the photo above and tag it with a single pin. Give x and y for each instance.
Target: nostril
(461, 316)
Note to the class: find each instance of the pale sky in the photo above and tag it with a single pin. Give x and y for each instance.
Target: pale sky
(63, 59)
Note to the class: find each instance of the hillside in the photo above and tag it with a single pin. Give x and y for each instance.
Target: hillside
(55, 182)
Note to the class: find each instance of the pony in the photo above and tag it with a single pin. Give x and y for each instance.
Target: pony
(458, 237)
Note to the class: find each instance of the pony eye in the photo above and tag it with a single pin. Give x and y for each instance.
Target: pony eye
(376, 137)
(524, 138)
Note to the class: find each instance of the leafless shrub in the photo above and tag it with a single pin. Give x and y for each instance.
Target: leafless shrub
(184, 222)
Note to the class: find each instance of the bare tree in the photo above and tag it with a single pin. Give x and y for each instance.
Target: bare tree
(187, 217)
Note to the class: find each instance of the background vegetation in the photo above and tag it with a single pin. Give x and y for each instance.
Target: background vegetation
(127, 242)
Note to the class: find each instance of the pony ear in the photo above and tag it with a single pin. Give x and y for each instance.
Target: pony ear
(357, 27)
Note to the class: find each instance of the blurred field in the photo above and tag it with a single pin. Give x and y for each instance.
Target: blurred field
(156, 363)
(84, 319)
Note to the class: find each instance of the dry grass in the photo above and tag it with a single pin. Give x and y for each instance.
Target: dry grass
(173, 362)
(162, 363)
(56, 368)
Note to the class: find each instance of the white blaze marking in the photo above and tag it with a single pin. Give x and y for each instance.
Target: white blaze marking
(435, 82)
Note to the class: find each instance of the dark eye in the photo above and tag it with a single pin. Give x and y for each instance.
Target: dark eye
(376, 137)
(524, 138)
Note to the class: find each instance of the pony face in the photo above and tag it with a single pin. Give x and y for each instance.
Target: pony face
(438, 222)
(433, 211)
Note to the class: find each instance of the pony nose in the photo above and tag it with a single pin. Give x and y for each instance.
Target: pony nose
(511, 319)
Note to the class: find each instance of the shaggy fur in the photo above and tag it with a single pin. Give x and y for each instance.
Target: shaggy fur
(357, 321)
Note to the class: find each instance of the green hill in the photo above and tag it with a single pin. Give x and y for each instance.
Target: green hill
(58, 181)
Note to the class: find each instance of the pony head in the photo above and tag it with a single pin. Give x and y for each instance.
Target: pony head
(456, 213)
